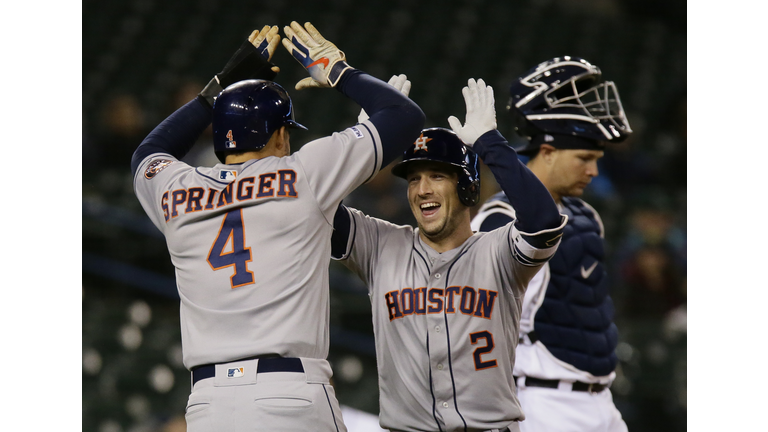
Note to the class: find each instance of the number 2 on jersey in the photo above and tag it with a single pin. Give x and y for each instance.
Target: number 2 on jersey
(228, 250)
(479, 351)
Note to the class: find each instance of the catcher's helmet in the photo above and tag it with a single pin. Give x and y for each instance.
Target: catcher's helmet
(246, 113)
(443, 145)
(566, 96)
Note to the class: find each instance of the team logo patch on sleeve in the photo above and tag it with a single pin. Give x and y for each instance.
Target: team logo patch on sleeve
(156, 166)
(358, 132)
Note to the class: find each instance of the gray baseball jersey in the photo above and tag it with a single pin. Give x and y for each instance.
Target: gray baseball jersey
(446, 324)
(251, 244)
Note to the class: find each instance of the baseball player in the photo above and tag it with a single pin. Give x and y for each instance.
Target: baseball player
(446, 302)
(565, 360)
(250, 237)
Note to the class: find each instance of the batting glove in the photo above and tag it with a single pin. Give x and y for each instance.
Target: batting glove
(400, 82)
(324, 62)
(481, 113)
(266, 42)
(250, 61)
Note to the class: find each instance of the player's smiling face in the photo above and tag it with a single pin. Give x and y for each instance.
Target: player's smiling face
(434, 200)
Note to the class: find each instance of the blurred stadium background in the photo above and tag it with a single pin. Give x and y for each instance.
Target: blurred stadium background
(142, 59)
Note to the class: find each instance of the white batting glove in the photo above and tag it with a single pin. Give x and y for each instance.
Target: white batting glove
(481, 112)
(320, 57)
(400, 82)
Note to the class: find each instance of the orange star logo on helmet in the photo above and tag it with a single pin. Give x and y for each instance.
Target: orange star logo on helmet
(421, 143)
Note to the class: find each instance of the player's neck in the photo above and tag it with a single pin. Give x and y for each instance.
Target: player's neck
(279, 145)
(450, 242)
(260, 154)
(243, 157)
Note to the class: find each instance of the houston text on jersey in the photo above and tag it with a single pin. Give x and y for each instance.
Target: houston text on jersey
(272, 184)
(419, 301)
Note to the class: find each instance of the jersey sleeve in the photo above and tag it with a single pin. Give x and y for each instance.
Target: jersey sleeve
(363, 242)
(522, 254)
(152, 184)
(334, 166)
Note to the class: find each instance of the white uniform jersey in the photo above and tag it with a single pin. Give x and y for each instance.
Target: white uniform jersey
(446, 324)
(534, 359)
(251, 244)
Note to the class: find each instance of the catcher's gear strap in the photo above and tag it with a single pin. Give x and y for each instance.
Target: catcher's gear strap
(495, 220)
(247, 63)
(176, 134)
(535, 209)
(396, 117)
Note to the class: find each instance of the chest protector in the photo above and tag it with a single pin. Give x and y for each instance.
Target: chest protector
(575, 320)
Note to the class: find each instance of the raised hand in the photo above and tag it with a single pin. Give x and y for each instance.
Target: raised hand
(320, 57)
(481, 112)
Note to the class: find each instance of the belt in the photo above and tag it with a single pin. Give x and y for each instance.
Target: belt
(577, 386)
(270, 364)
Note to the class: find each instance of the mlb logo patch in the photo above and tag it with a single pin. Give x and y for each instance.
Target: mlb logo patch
(358, 132)
(227, 175)
(235, 372)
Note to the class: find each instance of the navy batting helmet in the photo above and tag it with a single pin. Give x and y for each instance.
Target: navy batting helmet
(566, 97)
(246, 113)
(444, 146)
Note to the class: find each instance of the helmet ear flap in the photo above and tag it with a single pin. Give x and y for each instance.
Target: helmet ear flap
(468, 187)
(469, 194)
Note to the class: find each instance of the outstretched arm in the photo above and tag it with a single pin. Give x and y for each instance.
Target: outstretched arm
(536, 210)
(178, 133)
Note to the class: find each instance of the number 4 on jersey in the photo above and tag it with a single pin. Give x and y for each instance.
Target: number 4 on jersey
(228, 250)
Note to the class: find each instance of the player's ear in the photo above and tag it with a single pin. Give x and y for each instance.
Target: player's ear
(281, 138)
(547, 153)
(285, 136)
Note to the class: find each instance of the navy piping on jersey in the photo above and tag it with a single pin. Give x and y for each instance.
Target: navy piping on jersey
(429, 270)
(431, 389)
(511, 248)
(333, 414)
(375, 153)
(448, 340)
(415, 249)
